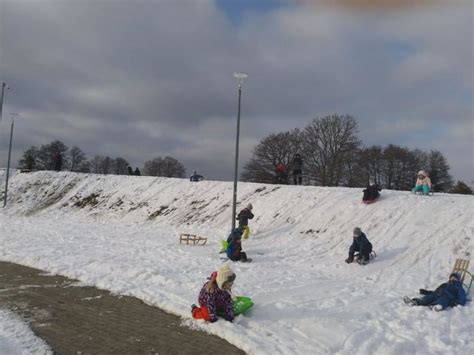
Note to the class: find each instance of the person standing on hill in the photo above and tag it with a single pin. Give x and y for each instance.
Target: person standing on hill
(243, 218)
(129, 170)
(137, 172)
(297, 172)
(361, 245)
(281, 173)
(58, 161)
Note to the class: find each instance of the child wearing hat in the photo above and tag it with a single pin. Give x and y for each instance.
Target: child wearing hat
(243, 218)
(215, 296)
(423, 183)
(448, 294)
(361, 244)
(234, 246)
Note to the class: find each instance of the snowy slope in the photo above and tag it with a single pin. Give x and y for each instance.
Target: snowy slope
(121, 233)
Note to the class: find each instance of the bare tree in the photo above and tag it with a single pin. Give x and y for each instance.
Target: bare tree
(327, 146)
(78, 160)
(120, 166)
(273, 149)
(438, 169)
(167, 166)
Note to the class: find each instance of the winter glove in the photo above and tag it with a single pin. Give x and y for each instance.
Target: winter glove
(425, 292)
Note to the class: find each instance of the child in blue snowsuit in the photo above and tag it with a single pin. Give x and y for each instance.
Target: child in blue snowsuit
(362, 245)
(234, 246)
(449, 294)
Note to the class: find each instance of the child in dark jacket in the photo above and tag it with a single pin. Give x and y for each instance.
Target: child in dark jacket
(362, 245)
(234, 246)
(215, 296)
(371, 192)
(243, 218)
(449, 294)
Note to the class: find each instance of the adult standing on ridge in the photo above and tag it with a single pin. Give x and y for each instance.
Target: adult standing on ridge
(137, 172)
(243, 218)
(58, 161)
(281, 174)
(297, 172)
(129, 170)
(423, 183)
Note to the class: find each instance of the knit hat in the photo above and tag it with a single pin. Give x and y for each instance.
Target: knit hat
(422, 172)
(456, 275)
(224, 274)
(249, 206)
(357, 232)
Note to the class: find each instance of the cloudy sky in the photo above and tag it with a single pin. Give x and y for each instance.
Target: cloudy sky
(147, 78)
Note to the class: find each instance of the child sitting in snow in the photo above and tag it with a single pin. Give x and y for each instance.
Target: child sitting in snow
(371, 192)
(423, 183)
(215, 296)
(234, 246)
(362, 245)
(449, 294)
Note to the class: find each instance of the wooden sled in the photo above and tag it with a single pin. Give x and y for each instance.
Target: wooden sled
(191, 239)
(461, 266)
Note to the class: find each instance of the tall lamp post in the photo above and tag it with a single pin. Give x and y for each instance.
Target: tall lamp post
(240, 77)
(4, 86)
(9, 155)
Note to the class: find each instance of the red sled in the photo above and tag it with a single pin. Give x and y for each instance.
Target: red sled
(368, 202)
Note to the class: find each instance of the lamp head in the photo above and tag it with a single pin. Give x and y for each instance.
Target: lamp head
(240, 76)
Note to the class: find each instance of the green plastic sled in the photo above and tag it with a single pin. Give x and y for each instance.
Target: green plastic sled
(241, 304)
(224, 244)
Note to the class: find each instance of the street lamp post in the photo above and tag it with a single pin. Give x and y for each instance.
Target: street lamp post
(4, 85)
(9, 156)
(240, 77)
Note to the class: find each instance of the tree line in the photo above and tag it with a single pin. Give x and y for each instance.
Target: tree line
(75, 160)
(334, 155)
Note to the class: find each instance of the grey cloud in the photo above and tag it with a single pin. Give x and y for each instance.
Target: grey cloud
(141, 79)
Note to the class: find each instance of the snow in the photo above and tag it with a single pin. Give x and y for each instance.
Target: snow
(121, 233)
(17, 338)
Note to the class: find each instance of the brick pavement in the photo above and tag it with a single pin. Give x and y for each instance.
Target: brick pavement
(87, 320)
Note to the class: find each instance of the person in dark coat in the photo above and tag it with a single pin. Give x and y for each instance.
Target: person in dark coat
(30, 162)
(448, 294)
(215, 296)
(371, 192)
(58, 161)
(243, 218)
(362, 245)
(297, 172)
(129, 170)
(234, 246)
(137, 172)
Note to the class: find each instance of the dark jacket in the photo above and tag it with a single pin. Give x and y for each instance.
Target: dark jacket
(450, 294)
(360, 244)
(244, 217)
(297, 163)
(234, 244)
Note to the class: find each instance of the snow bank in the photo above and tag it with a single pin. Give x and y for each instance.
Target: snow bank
(121, 233)
(17, 338)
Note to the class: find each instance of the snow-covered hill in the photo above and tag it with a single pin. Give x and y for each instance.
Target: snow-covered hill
(121, 233)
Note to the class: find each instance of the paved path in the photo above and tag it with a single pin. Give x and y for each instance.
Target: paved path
(86, 320)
